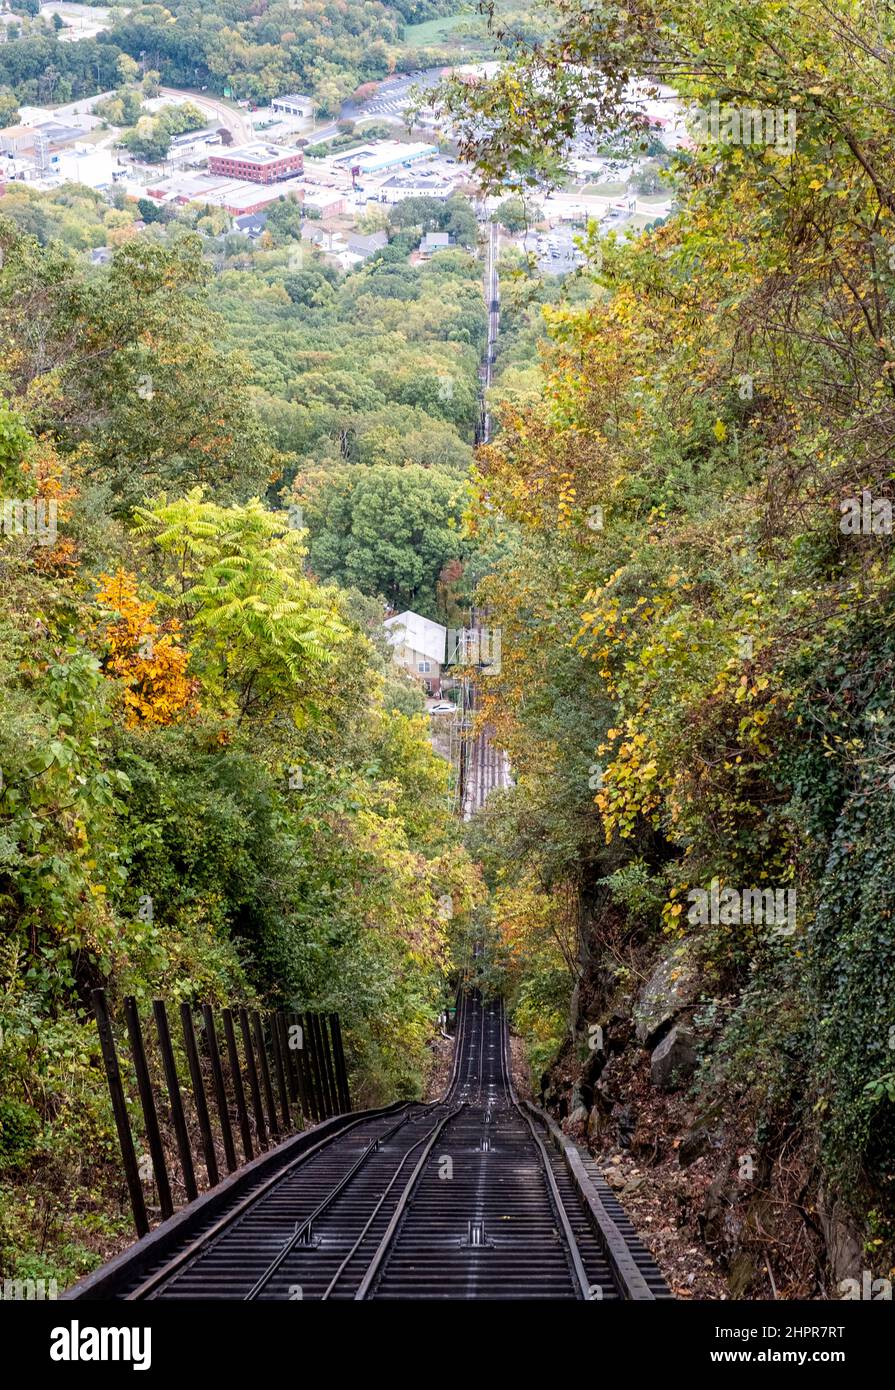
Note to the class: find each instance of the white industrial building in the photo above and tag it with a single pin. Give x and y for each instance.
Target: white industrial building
(294, 104)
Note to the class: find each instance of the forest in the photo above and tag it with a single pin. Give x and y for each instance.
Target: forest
(236, 456)
(235, 48)
(214, 785)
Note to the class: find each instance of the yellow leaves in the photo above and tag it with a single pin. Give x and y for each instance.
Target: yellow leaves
(145, 657)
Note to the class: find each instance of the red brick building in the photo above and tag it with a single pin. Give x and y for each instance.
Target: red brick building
(260, 163)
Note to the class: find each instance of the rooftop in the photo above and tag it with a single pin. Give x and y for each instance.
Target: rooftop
(415, 181)
(367, 245)
(420, 634)
(259, 152)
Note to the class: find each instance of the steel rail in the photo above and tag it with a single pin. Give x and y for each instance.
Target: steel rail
(207, 1242)
(431, 1134)
(305, 1226)
(568, 1235)
(384, 1244)
(204, 1242)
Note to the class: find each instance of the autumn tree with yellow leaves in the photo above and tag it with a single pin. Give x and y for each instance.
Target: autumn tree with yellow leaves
(145, 656)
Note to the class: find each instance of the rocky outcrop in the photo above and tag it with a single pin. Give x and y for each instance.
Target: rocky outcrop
(674, 1060)
(845, 1248)
(672, 987)
(693, 1146)
(729, 1219)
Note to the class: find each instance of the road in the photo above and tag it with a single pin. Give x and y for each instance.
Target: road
(224, 115)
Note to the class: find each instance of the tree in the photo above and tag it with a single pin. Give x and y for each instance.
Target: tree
(260, 631)
(417, 212)
(9, 107)
(383, 530)
(516, 215)
(148, 210)
(309, 287)
(147, 659)
(284, 219)
(459, 221)
(160, 404)
(128, 70)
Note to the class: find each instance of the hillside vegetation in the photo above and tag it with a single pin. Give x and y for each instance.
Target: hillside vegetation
(696, 690)
(213, 786)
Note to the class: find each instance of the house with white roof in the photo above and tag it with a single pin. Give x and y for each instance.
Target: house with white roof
(419, 646)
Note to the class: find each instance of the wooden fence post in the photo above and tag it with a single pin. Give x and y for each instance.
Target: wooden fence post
(217, 1073)
(175, 1098)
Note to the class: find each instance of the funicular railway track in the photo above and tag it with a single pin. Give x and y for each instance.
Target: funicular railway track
(470, 1197)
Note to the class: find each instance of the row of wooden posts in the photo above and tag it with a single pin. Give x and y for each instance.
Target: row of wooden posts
(293, 1069)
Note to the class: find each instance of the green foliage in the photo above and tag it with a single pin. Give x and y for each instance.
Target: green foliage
(151, 136)
(516, 215)
(9, 107)
(15, 445)
(284, 219)
(452, 215)
(384, 530)
(125, 365)
(74, 215)
(19, 1127)
(262, 631)
(122, 109)
(707, 405)
(378, 368)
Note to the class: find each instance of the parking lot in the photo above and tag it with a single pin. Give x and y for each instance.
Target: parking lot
(555, 250)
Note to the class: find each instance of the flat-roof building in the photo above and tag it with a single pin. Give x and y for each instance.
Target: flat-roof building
(385, 154)
(401, 186)
(293, 104)
(258, 162)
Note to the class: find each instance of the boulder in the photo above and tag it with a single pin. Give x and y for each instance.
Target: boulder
(673, 986)
(712, 1220)
(598, 1123)
(673, 1061)
(845, 1245)
(576, 1119)
(626, 1122)
(693, 1145)
(744, 1276)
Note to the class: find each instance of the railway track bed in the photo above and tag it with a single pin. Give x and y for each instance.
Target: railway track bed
(477, 1196)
